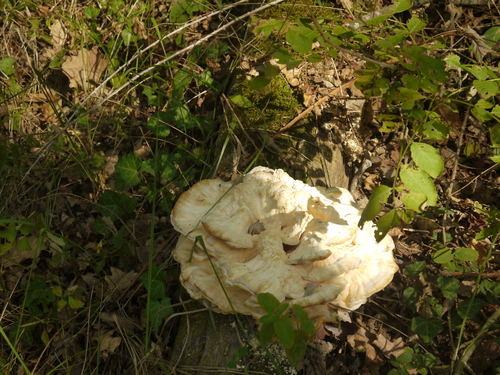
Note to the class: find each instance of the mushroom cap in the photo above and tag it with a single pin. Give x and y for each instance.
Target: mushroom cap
(271, 233)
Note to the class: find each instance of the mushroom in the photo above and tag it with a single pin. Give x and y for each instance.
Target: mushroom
(271, 233)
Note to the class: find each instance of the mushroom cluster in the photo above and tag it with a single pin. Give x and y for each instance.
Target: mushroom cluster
(271, 233)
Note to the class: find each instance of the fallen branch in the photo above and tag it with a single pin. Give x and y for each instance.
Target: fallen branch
(304, 113)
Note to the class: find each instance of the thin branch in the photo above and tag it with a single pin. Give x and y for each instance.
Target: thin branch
(361, 56)
(449, 192)
(304, 113)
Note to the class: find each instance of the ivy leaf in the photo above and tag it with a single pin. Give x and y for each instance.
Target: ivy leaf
(268, 302)
(128, 169)
(158, 310)
(448, 286)
(469, 308)
(427, 158)
(7, 65)
(419, 181)
(379, 196)
(385, 223)
(427, 329)
(413, 270)
(115, 205)
(411, 296)
(285, 331)
(158, 124)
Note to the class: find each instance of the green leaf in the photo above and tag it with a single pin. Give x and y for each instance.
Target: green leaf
(492, 291)
(7, 65)
(266, 333)
(427, 329)
(442, 256)
(397, 7)
(285, 331)
(158, 310)
(411, 296)
(379, 196)
(465, 254)
(297, 351)
(158, 124)
(385, 223)
(91, 12)
(495, 136)
(492, 36)
(166, 165)
(128, 169)
(414, 200)
(419, 181)
(301, 38)
(413, 270)
(281, 308)
(268, 302)
(74, 303)
(481, 114)
(486, 88)
(469, 308)
(115, 205)
(303, 319)
(415, 24)
(268, 318)
(256, 83)
(448, 286)
(241, 101)
(427, 158)
(435, 130)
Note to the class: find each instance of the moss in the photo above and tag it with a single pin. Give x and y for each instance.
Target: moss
(273, 106)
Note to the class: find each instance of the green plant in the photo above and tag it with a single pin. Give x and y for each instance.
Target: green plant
(412, 359)
(278, 323)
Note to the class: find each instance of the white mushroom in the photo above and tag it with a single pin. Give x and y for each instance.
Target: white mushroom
(271, 233)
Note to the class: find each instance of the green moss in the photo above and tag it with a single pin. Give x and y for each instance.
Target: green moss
(273, 106)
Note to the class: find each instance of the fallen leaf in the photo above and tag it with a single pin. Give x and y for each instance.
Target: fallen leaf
(119, 279)
(86, 68)
(388, 347)
(108, 344)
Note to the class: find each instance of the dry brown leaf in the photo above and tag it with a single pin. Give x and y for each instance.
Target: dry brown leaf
(86, 68)
(108, 344)
(15, 255)
(119, 279)
(388, 347)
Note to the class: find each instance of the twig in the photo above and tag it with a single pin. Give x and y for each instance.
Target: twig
(304, 113)
(449, 193)
(462, 363)
(361, 56)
